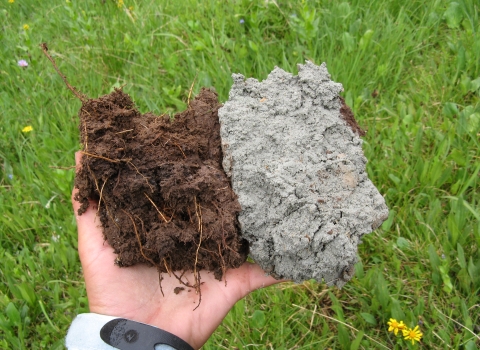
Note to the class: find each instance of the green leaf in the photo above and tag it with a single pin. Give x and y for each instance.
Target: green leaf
(450, 110)
(461, 58)
(344, 8)
(366, 39)
(473, 121)
(13, 314)
(453, 15)
(458, 156)
(396, 309)
(7, 170)
(28, 293)
(5, 324)
(455, 186)
(470, 182)
(369, 318)
(343, 337)
(447, 282)
(463, 278)
(388, 223)
(475, 85)
(470, 345)
(453, 229)
(355, 26)
(402, 243)
(467, 320)
(356, 343)
(381, 291)
(359, 271)
(474, 272)
(434, 259)
(349, 99)
(258, 319)
(12, 286)
(253, 46)
(199, 45)
(461, 256)
(348, 42)
(420, 308)
(465, 84)
(394, 178)
(336, 307)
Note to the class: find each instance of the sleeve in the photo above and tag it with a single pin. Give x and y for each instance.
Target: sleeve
(84, 334)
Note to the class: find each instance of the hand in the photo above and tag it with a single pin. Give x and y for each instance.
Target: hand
(134, 292)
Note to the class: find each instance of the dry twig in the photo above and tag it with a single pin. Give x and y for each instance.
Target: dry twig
(191, 89)
(80, 96)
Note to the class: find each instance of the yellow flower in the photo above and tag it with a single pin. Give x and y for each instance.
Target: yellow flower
(26, 129)
(412, 334)
(26, 27)
(395, 326)
(11, 1)
(120, 3)
(130, 9)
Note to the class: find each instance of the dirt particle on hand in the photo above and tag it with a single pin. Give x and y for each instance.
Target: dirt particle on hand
(177, 290)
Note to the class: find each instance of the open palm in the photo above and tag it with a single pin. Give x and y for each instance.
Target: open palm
(134, 292)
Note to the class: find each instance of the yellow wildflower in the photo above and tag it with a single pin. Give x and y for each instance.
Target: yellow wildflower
(395, 326)
(11, 1)
(26, 27)
(412, 334)
(120, 3)
(26, 129)
(130, 9)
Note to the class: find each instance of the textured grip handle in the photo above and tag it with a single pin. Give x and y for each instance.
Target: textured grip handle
(130, 335)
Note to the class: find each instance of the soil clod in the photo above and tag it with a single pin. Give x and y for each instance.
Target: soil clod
(293, 151)
(164, 199)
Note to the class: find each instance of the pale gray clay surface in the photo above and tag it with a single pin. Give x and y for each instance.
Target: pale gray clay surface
(299, 172)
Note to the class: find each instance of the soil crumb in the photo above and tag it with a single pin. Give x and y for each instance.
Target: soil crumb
(164, 198)
(347, 115)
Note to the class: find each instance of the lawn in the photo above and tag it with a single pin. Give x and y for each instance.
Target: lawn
(411, 74)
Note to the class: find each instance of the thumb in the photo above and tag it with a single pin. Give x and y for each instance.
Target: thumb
(90, 236)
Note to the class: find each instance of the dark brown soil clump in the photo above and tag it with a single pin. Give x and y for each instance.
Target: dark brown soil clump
(164, 199)
(347, 115)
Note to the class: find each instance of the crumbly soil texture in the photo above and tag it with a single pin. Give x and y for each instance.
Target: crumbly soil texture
(163, 197)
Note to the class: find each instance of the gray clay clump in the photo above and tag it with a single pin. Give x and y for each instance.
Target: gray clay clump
(299, 172)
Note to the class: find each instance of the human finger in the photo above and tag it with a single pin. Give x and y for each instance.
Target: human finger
(250, 277)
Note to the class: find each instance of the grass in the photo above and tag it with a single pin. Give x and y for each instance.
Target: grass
(411, 73)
